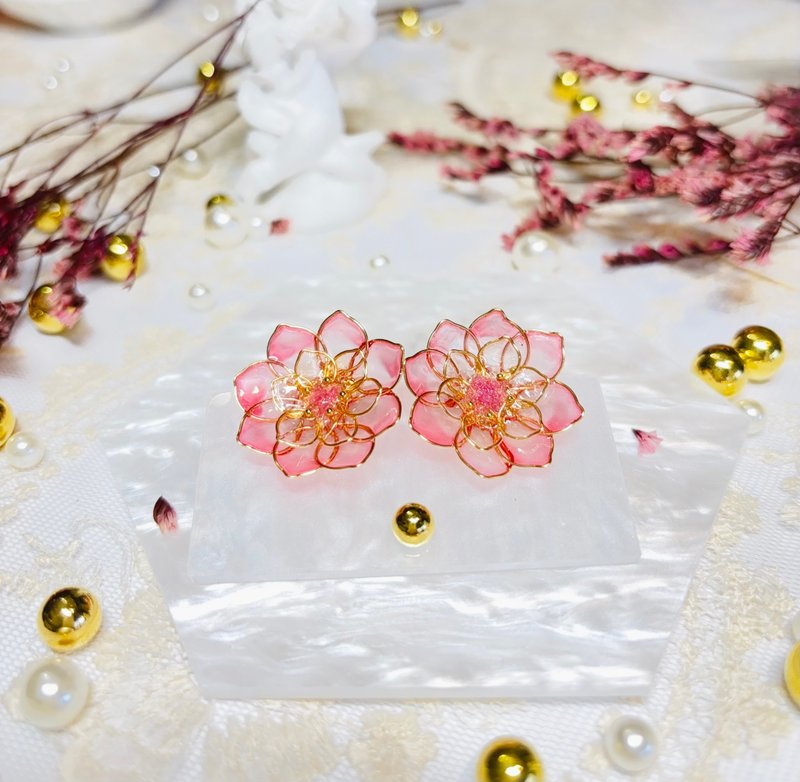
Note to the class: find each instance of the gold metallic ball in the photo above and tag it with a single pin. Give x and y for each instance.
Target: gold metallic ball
(642, 99)
(219, 199)
(721, 367)
(120, 260)
(408, 22)
(69, 619)
(585, 104)
(566, 86)
(413, 524)
(210, 77)
(39, 311)
(51, 215)
(791, 674)
(7, 422)
(761, 349)
(509, 760)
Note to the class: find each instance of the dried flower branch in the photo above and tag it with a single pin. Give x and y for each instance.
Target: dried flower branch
(752, 180)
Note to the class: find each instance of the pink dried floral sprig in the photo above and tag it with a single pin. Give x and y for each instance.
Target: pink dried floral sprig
(751, 180)
(490, 391)
(99, 207)
(321, 398)
(165, 517)
(647, 442)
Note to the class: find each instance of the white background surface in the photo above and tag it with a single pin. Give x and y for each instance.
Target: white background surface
(718, 701)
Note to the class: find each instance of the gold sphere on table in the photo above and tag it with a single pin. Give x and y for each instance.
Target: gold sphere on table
(69, 619)
(642, 99)
(121, 259)
(413, 524)
(509, 759)
(51, 215)
(210, 77)
(566, 86)
(7, 422)
(408, 22)
(722, 368)
(585, 104)
(39, 311)
(761, 350)
(791, 674)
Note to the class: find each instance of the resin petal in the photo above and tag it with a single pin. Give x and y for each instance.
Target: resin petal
(559, 407)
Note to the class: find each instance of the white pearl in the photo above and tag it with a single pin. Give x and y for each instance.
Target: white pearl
(24, 451)
(795, 628)
(379, 261)
(154, 171)
(534, 251)
(631, 744)
(200, 297)
(224, 226)
(192, 163)
(755, 414)
(210, 12)
(53, 693)
(50, 82)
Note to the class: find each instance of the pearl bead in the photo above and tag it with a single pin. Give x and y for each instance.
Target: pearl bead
(379, 261)
(192, 164)
(755, 415)
(200, 297)
(154, 171)
(63, 65)
(24, 451)
(631, 744)
(534, 251)
(50, 82)
(224, 225)
(53, 693)
(210, 13)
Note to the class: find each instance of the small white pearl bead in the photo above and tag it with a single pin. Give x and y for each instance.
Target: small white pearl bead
(53, 693)
(224, 226)
(534, 251)
(63, 65)
(755, 414)
(154, 171)
(50, 82)
(631, 744)
(24, 451)
(200, 297)
(379, 261)
(210, 12)
(192, 163)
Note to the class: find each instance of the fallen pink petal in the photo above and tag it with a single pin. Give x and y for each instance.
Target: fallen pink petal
(165, 516)
(648, 441)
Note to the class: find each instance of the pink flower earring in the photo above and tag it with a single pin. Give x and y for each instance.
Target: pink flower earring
(490, 392)
(320, 399)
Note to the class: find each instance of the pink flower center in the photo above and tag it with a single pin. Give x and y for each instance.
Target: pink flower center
(486, 394)
(323, 397)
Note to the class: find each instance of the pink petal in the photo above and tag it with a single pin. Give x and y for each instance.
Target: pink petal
(489, 463)
(383, 414)
(350, 454)
(648, 441)
(534, 451)
(254, 383)
(313, 365)
(296, 461)
(495, 324)
(353, 363)
(295, 431)
(559, 407)
(546, 352)
(165, 517)
(256, 434)
(340, 332)
(449, 336)
(265, 411)
(286, 343)
(429, 419)
(425, 371)
(385, 362)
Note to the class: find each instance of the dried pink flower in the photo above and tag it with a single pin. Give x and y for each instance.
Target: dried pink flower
(165, 516)
(648, 441)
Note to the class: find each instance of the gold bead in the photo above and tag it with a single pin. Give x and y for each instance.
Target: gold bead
(566, 86)
(69, 619)
(791, 674)
(210, 77)
(508, 759)
(721, 367)
(39, 311)
(642, 99)
(408, 22)
(7, 422)
(761, 350)
(51, 215)
(119, 260)
(413, 524)
(219, 199)
(585, 104)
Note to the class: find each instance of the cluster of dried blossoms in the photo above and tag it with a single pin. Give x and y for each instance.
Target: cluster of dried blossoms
(751, 179)
(89, 201)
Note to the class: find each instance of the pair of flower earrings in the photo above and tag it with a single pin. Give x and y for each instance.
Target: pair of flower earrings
(320, 400)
